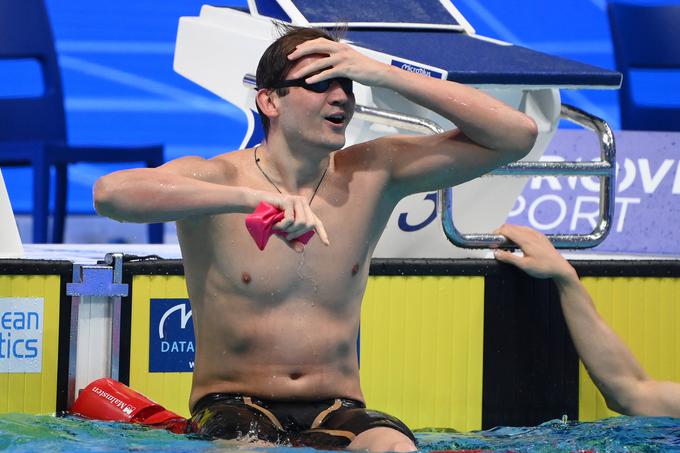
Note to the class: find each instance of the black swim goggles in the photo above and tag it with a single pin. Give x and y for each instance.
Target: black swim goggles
(317, 87)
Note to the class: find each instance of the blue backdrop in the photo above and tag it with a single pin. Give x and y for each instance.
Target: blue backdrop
(116, 60)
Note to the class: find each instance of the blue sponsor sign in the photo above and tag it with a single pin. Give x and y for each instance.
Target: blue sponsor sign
(418, 69)
(21, 334)
(647, 209)
(171, 336)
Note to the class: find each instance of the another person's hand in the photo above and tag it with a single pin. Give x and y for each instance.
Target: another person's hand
(298, 217)
(540, 259)
(342, 61)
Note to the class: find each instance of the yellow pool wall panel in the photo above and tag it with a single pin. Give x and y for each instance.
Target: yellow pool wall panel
(421, 349)
(171, 390)
(34, 393)
(645, 313)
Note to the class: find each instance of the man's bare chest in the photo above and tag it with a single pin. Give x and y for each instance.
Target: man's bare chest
(278, 273)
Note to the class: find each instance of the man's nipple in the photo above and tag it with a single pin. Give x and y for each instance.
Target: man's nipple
(245, 278)
(355, 269)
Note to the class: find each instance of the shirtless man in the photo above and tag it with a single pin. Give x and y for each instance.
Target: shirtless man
(615, 371)
(276, 329)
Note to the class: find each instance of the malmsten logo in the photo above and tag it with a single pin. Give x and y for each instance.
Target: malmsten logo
(120, 404)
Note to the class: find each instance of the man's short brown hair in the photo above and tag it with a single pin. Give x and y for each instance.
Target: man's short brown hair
(274, 64)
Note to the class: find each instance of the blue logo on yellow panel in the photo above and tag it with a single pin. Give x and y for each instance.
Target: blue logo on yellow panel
(171, 336)
(21, 334)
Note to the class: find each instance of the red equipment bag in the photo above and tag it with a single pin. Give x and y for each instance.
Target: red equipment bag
(109, 400)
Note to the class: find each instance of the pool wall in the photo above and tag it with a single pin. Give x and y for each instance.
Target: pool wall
(467, 344)
(34, 335)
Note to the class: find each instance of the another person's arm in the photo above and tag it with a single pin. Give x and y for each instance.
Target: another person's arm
(490, 133)
(193, 187)
(616, 373)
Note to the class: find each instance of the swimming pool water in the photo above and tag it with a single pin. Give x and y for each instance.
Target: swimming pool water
(31, 433)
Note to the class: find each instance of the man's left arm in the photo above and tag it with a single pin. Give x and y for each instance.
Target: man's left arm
(490, 133)
(625, 385)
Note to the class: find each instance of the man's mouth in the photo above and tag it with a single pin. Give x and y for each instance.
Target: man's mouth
(336, 118)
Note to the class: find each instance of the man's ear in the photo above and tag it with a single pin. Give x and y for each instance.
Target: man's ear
(268, 102)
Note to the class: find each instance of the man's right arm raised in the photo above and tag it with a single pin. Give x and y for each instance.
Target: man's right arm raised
(193, 187)
(183, 188)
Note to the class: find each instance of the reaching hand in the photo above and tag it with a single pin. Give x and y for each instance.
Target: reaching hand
(341, 61)
(298, 218)
(540, 259)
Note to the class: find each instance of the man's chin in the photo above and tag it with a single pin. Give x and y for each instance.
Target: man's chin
(337, 146)
(335, 143)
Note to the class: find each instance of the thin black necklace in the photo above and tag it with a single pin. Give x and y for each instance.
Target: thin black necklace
(257, 162)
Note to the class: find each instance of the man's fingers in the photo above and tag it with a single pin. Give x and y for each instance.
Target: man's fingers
(294, 218)
(301, 219)
(323, 75)
(294, 245)
(507, 257)
(288, 216)
(507, 230)
(313, 223)
(304, 220)
(319, 45)
(298, 220)
(297, 246)
(317, 225)
(321, 231)
(322, 67)
(513, 233)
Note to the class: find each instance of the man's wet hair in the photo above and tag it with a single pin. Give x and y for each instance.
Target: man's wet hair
(274, 64)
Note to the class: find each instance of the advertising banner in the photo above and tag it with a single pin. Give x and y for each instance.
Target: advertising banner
(171, 336)
(647, 202)
(21, 334)
(647, 207)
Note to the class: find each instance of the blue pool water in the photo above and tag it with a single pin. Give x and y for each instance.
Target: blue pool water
(30, 433)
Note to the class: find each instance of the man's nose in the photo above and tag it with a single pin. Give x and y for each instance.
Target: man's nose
(337, 95)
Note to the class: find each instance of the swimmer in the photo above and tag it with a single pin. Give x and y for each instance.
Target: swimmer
(626, 387)
(276, 329)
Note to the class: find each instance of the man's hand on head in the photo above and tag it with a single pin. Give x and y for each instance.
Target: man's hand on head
(340, 60)
(539, 259)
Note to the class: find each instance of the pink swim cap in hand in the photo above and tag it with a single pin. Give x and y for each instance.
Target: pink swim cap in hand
(261, 222)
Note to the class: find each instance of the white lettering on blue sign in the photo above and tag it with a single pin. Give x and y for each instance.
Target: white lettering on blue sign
(417, 69)
(177, 346)
(21, 335)
(171, 336)
(184, 318)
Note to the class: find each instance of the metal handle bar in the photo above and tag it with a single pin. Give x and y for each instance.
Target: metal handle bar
(605, 169)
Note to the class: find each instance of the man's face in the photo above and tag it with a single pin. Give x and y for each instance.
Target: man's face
(317, 119)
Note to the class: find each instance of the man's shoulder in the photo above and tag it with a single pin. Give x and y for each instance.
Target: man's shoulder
(365, 155)
(220, 168)
(230, 157)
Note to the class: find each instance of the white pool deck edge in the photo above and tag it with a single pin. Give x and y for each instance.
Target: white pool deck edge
(92, 253)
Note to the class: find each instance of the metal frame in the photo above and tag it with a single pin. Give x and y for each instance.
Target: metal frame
(605, 169)
(96, 281)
